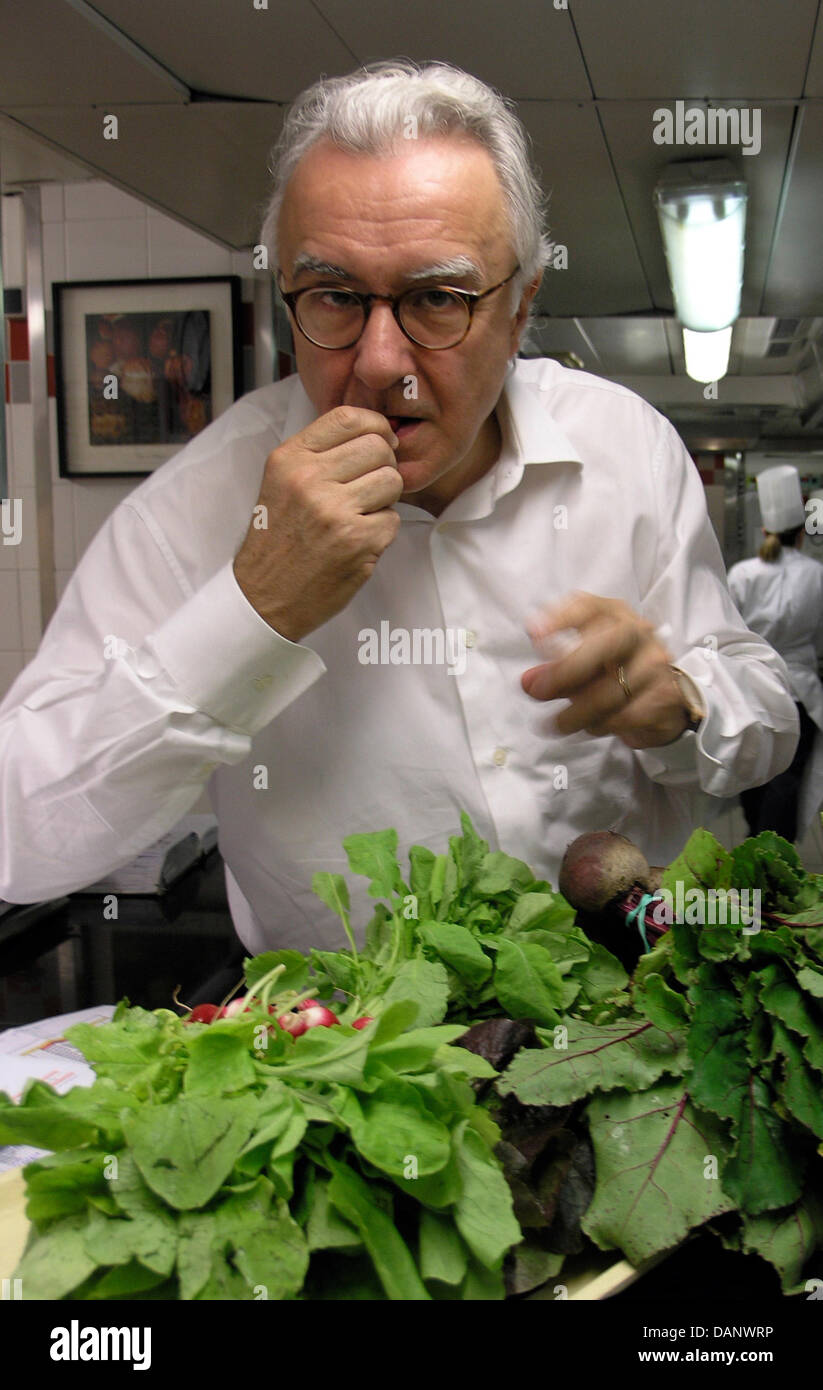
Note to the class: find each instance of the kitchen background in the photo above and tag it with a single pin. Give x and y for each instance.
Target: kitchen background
(200, 96)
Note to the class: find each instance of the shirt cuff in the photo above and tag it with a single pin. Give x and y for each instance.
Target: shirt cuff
(228, 662)
(677, 762)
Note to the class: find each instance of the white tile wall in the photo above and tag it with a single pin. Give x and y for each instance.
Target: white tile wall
(54, 255)
(11, 634)
(31, 625)
(91, 231)
(26, 551)
(52, 202)
(65, 549)
(176, 250)
(94, 501)
(8, 559)
(56, 480)
(11, 664)
(61, 579)
(106, 250)
(98, 201)
(21, 472)
(241, 264)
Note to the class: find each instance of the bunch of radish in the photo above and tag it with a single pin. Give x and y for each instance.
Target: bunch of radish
(308, 1014)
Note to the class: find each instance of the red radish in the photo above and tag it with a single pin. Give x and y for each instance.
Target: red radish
(361, 1022)
(317, 1015)
(235, 1007)
(293, 1023)
(202, 1013)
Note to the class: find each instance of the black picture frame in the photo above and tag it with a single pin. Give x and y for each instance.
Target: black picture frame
(141, 366)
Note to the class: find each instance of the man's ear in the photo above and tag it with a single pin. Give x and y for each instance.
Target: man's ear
(519, 320)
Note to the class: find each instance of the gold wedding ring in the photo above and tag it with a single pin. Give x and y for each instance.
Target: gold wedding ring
(624, 685)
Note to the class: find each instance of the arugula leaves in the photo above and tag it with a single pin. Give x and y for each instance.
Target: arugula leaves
(223, 1169)
(473, 934)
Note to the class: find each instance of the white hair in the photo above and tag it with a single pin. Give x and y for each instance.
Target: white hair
(368, 112)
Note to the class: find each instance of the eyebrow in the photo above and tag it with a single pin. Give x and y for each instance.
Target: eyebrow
(311, 263)
(458, 267)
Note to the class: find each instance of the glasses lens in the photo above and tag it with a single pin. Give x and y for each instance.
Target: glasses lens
(331, 318)
(434, 317)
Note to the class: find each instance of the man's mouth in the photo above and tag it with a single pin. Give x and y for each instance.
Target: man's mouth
(404, 425)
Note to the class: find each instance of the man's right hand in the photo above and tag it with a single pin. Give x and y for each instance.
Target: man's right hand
(328, 493)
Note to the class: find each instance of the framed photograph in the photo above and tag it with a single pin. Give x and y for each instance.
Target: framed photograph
(142, 366)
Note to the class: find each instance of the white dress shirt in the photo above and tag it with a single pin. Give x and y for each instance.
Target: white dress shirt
(783, 602)
(303, 744)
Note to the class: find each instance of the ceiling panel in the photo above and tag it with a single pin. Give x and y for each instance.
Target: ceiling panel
(205, 164)
(665, 48)
(604, 274)
(629, 344)
(814, 77)
(25, 158)
(229, 48)
(527, 48)
(54, 57)
(608, 346)
(639, 162)
(795, 284)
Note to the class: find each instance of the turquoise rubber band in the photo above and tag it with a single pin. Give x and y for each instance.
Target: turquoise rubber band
(637, 917)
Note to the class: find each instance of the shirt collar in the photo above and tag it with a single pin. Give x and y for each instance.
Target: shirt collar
(530, 434)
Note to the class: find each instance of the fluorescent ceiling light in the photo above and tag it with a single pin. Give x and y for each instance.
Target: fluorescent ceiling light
(702, 211)
(707, 354)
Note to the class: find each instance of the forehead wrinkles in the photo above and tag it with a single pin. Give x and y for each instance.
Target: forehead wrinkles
(448, 193)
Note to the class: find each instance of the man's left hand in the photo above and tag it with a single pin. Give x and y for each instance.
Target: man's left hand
(644, 709)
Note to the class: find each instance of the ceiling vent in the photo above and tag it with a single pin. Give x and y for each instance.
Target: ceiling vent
(787, 337)
(786, 328)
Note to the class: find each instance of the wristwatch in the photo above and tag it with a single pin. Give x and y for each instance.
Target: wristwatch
(690, 696)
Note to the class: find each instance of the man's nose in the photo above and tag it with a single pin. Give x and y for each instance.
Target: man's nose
(383, 353)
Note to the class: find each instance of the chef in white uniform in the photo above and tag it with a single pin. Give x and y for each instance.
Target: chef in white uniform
(779, 593)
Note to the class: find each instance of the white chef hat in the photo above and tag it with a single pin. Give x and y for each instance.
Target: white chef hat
(781, 501)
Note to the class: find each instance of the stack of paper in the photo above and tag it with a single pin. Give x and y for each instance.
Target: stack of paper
(40, 1050)
(162, 863)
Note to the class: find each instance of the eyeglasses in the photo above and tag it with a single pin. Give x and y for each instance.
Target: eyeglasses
(436, 317)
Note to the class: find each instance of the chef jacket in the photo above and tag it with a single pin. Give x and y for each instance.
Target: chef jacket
(157, 676)
(783, 602)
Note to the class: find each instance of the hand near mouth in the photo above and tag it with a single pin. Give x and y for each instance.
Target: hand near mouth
(327, 495)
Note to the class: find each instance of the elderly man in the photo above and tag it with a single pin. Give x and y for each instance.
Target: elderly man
(333, 600)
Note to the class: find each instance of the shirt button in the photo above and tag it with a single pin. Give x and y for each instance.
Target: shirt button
(262, 682)
(470, 637)
(499, 757)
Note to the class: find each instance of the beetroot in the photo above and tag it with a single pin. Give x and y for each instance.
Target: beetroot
(606, 878)
(600, 868)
